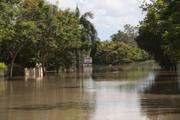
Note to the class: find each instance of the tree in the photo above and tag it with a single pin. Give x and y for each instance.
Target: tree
(110, 52)
(18, 33)
(120, 37)
(127, 35)
(34, 31)
(68, 39)
(170, 18)
(131, 31)
(155, 29)
(89, 32)
(47, 24)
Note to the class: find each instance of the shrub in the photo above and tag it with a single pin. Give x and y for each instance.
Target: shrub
(3, 66)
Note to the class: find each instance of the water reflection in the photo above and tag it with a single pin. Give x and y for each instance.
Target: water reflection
(123, 72)
(165, 83)
(117, 92)
(161, 101)
(130, 93)
(2, 86)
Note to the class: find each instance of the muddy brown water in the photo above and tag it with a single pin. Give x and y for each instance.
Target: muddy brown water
(136, 92)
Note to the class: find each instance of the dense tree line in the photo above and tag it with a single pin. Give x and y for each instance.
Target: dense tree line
(122, 48)
(34, 31)
(159, 32)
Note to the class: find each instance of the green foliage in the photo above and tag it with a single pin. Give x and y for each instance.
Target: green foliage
(118, 52)
(34, 31)
(89, 33)
(159, 33)
(171, 35)
(127, 35)
(121, 49)
(120, 37)
(3, 66)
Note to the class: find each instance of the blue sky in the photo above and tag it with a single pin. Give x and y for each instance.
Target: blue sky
(109, 15)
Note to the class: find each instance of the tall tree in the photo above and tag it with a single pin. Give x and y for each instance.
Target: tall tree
(170, 20)
(131, 31)
(88, 29)
(155, 29)
(127, 35)
(120, 37)
(19, 31)
(68, 39)
(34, 31)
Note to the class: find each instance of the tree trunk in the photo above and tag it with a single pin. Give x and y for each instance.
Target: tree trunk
(11, 69)
(12, 62)
(43, 68)
(57, 71)
(82, 60)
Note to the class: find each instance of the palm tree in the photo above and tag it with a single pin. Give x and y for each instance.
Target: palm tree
(88, 26)
(90, 33)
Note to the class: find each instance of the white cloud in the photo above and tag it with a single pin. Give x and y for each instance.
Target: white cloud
(110, 15)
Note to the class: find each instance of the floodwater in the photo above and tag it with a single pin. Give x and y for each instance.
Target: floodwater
(133, 92)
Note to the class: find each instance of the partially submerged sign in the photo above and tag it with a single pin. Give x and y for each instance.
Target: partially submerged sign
(88, 60)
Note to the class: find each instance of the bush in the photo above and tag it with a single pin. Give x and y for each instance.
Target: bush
(3, 66)
(115, 53)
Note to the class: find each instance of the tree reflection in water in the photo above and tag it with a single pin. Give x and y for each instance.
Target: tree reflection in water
(161, 101)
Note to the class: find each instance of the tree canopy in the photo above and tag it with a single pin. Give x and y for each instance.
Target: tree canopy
(36, 32)
(159, 32)
(122, 48)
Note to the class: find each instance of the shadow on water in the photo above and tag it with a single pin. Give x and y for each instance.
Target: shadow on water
(2, 86)
(162, 99)
(57, 106)
(123, 72)
(165, 83)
